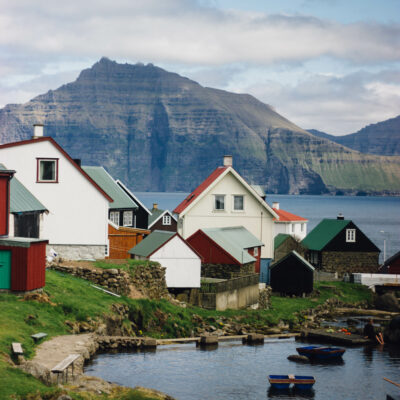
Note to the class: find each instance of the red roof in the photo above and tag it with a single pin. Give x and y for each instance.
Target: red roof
(285, 216)
(199, 190)
(51, 140)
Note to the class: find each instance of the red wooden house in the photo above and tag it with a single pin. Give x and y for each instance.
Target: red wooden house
(22, 260)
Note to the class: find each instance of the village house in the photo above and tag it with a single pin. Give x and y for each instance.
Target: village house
(76, 224)
(227, 252)
(22, 260)
(225, 199)
(288, 223)
(284, 244)
(338, 245)
(391, 265)
(181, 261)
(162, 220)
(141, 214)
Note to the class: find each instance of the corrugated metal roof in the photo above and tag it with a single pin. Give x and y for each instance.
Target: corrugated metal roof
(279, 239)
(151, 243)
(234, 240)
(21, 199)
(323, 233)
(108, 184)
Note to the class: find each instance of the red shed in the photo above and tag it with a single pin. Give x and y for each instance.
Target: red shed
(23, 263)
(5, 177)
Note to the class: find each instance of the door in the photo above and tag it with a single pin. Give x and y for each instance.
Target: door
(5, 269)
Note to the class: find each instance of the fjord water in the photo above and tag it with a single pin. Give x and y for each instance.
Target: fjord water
(371, 214)
(237, 372)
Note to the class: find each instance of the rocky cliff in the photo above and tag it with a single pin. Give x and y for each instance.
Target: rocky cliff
(158, 131)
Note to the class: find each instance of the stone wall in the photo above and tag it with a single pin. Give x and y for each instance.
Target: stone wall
(350, 262)
(77, 252)
(149, 278)
(226, 271)
(264, 298)
(287, 246)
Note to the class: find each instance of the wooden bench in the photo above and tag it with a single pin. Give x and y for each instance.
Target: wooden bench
(63, 366)
(17, 348)
(38, 336)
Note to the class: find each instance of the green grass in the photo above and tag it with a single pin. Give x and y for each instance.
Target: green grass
(75, 300)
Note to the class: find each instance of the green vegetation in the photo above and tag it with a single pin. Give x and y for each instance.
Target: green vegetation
(73, 299)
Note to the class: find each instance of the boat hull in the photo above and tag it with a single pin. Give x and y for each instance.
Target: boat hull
(284, 381)
(321, 353)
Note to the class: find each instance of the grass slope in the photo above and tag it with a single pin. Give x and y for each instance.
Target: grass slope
(75, 300)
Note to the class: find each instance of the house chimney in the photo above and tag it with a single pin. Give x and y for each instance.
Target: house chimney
(275, 205)
(155, 206)
(228, 161)
(37, 131)
(340, 216)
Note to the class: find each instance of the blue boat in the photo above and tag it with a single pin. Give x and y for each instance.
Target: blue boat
(284, 381)
(321, 353)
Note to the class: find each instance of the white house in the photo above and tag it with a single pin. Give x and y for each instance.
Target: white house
(76, 224)
(181, 261)
(225, 199)
(289, 223)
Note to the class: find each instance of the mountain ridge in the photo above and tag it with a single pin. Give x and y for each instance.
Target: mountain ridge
(158, 131)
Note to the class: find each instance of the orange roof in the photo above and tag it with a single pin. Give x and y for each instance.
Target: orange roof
(200, 189)
(285, 216)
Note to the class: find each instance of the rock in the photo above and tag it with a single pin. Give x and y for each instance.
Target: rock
(298, 358)
(153, 394)
(388, 302)
(64, 397)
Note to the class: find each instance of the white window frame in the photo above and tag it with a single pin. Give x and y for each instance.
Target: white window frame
(350, 235)
(127, 218)
(255, 252)
(114, 217)
(166, 219)
(233, 203)
(40, 162)
(216, 196)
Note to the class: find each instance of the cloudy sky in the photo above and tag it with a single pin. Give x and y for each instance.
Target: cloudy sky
(332, 65)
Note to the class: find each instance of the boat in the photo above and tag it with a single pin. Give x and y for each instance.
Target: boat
(301, 382)
(321, 353)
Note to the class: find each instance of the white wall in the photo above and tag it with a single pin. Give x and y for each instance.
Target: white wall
(255, 218)
(183, 265)
(77, 210)
(291, 228)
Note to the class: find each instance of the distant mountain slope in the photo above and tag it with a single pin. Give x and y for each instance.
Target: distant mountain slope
(382, 138)
(158, 131)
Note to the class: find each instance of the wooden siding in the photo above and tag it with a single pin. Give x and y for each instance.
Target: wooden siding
(121, 240)
(158, 226)
(4, 204)
(28, 266)
(210, 252)
(290, 276)
(257, 257)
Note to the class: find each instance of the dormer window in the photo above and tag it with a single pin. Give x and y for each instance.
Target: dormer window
(219, 202)
(47, 170)
(350, 235)
(166, 220)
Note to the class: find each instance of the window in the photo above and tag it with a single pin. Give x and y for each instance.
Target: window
(302, 227)
(238, 203)
(114, 217)
(314, 259)
(128, 218)
(166, 220)
(350, 235)
(255, 253)
(47, 170)
(219, 202)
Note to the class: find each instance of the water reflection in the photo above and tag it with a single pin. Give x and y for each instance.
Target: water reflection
(290, 393)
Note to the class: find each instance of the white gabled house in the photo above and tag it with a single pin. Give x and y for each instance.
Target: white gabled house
(225, 199)
(181, 261)
(76, 224)
(289, 223)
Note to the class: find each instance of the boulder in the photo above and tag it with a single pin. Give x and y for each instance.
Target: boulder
(298, 358)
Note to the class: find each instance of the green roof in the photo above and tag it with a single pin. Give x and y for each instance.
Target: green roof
(234, 240)
(323, 233)
(21, 199)
(107, 183)
(151, 243)
(155, 214)
(279, 239)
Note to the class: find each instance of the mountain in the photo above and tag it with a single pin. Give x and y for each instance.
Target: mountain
(382, 138)
(158, 131)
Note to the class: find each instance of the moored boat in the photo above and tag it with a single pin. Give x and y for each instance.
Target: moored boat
(301, 382)
(321, 353)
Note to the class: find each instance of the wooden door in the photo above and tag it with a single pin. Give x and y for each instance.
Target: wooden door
(5, 269)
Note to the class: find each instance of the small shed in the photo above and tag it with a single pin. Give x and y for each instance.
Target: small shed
(181, 261)
(292, 275)
(5, 177)
(22, 263)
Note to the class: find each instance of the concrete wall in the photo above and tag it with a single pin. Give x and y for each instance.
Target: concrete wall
(255, 218)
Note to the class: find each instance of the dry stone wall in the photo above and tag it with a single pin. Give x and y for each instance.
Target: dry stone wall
(226, 271)
(350, 262)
